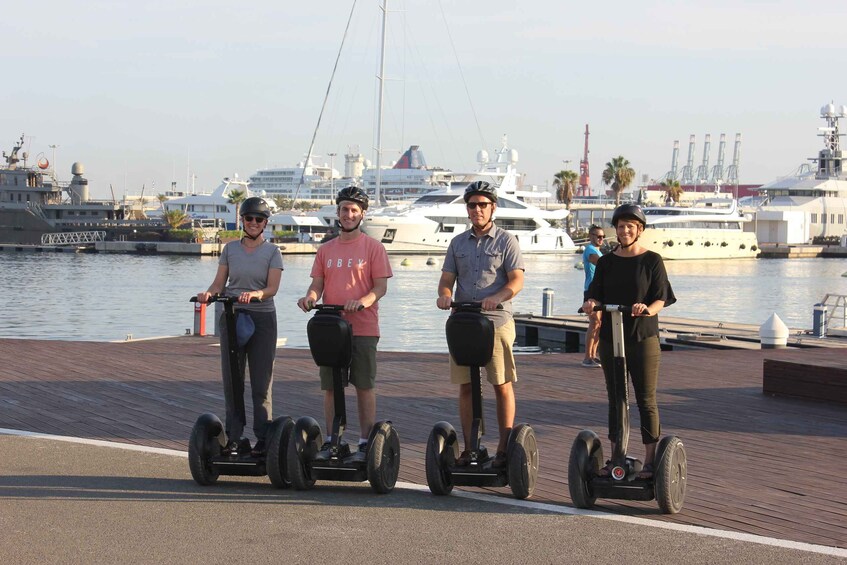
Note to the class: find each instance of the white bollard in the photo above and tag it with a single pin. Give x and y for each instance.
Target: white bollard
(547, 302)
(773, 334)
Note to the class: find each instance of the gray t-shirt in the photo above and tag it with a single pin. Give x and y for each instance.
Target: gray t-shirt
(482, 266)
(249, 271)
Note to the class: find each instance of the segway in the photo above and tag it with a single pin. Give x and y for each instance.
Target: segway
(470, 339)
(667, 485)
(206, 455)
(331, 344)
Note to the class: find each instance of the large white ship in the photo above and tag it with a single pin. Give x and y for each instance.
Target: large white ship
(428, 224)
(711, 228)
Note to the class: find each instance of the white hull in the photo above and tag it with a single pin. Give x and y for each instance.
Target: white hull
(674, 244)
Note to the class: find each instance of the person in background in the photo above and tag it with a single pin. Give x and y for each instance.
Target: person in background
(632, 275)
(590, 256)
(249, 268)
(352, 270)
(485, 265)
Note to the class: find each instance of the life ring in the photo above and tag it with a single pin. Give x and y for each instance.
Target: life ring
(43, 163)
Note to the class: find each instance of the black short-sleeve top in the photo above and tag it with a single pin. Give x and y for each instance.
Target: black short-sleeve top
(627, 281)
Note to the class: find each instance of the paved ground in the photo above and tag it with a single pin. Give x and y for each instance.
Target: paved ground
(64, 502)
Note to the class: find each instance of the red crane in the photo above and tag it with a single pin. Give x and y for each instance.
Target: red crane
(584, 179)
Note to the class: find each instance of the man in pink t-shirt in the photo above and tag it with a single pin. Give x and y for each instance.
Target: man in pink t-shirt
(352, 270)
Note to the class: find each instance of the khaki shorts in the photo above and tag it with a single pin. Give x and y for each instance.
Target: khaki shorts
(362, 367)
(501, 369)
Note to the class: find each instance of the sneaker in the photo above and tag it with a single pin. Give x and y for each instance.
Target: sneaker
(464, 459)
(361, 456)
(324, 453)
(500, 460)
(590, 363)
(259, 449)
(597, 360)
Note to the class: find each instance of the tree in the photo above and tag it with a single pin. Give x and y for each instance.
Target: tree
(237, 196)
(565, 183)
(162, 199)
(175, 218)
(673, 190)
(618, 174)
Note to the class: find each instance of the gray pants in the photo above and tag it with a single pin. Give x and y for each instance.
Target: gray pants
(259, 353)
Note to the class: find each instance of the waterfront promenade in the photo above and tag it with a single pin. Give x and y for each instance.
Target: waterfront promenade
(757, 464)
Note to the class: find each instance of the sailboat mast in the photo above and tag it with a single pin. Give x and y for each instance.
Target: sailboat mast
(381, 96)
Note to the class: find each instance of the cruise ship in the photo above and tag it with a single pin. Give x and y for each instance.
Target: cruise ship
(809, 206)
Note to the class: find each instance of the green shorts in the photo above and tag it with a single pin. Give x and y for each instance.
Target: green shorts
(501, 369)
(362, 367)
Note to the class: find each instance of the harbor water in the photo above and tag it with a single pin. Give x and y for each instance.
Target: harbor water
(103, 297)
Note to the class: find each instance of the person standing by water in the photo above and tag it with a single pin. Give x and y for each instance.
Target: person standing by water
(632, 275)
(249, 268)
(352, 270)
(485, 265)
(590, 256)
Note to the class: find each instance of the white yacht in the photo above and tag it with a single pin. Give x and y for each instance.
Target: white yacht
(711, 228)
(811, 204)
(216, 207)
(428, 224)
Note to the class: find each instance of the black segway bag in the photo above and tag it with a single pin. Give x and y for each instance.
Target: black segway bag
(330, 339)
(470, 338)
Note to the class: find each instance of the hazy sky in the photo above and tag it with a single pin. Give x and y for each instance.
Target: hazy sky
(141, 92)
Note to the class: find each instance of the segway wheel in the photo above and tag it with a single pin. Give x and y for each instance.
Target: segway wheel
(671, 474)
(585, 460)
(522, 454)
(383, 458)
(442, 449)
(277, 458)
(302, 448)
(205, 443)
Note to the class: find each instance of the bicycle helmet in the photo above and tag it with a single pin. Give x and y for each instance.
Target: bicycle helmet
(353, 194)
(629, 212)
(255, 206)
(483, 189)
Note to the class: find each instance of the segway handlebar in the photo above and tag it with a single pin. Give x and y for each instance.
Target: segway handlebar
(224, 299)
(333, 307)
(471, 306)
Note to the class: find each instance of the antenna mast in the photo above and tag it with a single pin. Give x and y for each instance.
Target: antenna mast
(584, 177)
(381, 96)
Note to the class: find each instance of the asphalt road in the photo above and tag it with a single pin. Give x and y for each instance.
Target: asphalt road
(64, 502)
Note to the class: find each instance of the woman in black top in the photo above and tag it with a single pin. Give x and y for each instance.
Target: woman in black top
(633, 275)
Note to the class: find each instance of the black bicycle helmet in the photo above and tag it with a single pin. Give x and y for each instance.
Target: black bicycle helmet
(482, 188)
(353, 194)
(255, 206)
(630, 212)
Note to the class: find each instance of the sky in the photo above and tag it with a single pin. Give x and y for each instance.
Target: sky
(145, 94)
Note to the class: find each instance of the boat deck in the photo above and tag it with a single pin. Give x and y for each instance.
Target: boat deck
(757, 464)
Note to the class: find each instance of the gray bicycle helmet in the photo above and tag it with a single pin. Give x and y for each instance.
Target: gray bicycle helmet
(483, 189)
(353, 194)
(255, 206)
(629, 212)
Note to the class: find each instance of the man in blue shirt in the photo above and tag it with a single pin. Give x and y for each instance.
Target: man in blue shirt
(590, 257)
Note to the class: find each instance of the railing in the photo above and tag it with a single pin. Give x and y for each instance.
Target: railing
(834, 303)
(72, 238)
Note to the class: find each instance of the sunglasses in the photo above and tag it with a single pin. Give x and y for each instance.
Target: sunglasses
(257, 219)
(598, 236)
(482, 205)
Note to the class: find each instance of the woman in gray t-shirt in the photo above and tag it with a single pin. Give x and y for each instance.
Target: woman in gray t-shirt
(249, 268)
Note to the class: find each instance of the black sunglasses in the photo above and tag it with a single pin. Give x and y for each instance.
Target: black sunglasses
(257, 219)
(482, 205)
(598, 236)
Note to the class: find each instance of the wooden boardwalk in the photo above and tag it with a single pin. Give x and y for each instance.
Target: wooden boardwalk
(757, 464)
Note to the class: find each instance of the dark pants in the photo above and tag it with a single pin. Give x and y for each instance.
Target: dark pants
(259, 353)
(642, 363)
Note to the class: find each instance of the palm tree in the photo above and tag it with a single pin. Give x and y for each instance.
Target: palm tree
(565, 183)
(237, 196)
(162, 199)
(175, 218)
(618, 174)
(673, 190)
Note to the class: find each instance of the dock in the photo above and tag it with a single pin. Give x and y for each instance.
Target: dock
(758, 464)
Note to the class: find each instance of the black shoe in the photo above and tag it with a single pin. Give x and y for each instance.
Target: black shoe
(259, 450)
(500, 460)
(324, 454)
(230, 448)
(361, 456)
